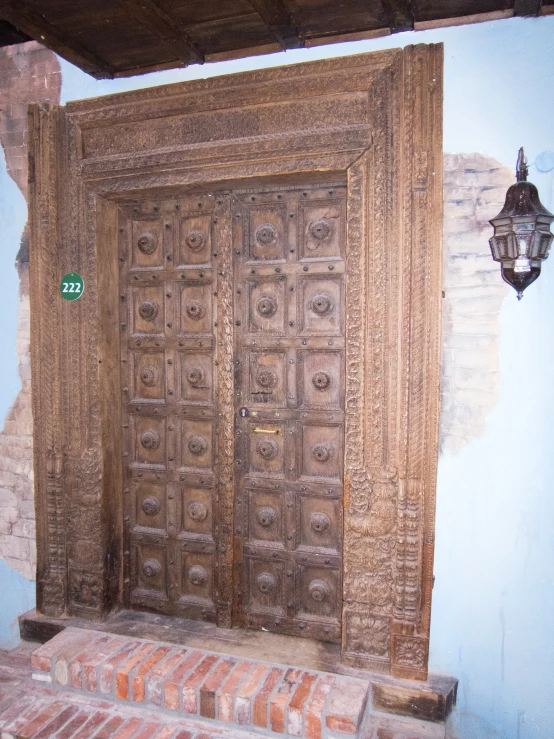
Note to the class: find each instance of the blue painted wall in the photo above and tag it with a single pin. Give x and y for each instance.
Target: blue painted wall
(493, 607)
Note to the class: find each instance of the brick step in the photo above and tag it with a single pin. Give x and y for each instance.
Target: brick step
(229, 690)
(70, 717)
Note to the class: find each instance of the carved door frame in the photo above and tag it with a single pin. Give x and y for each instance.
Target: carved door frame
(374, 119)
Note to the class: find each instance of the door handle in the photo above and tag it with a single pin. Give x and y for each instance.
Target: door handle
(266, 431)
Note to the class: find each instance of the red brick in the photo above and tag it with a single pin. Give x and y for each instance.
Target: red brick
(262, 699)
(316, 704)
(154, 681)
(43, 718)
(20, 720)
(90, 671)
(166, 732)
(80, 719)
(57, 723)
(107, 669)
(75, 668)
(190, 702)
(225, 699)
(106, 732)
(208, 689)
(295, 718)
(173, 682)
(122, 673)
(41, 657)
(92, 725)
(347, 705)
(128, 729)
(144, 669)
(148, 731)
(15, 709)
(184, 735)
(279, 701)
(243, 697)
(65, 656)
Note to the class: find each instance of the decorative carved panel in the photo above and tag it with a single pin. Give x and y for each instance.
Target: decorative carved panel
(336, 330)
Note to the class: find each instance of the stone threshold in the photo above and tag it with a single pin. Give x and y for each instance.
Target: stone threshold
(430, 701)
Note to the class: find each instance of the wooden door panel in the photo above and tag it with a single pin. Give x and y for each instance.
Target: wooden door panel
(289, 393)
(169, 378)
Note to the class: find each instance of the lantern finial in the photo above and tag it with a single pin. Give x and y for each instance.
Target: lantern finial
(522, 170)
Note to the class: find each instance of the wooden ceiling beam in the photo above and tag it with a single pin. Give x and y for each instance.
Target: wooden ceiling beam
(399, 15)
(527, 7)
(279, 21)
(37, 27)
(174, 37)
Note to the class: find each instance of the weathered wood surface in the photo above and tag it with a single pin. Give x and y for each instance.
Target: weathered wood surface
(373, 121)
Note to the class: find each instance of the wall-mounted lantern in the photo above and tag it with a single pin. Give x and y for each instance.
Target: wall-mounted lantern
(522, 234)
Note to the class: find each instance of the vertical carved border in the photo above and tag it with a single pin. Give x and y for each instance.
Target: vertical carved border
(44, 137)
(420, 359)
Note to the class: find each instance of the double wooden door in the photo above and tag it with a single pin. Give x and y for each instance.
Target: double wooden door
(288, 356)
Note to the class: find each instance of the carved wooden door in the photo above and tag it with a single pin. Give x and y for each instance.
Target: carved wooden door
(289, 389)
(168, 287)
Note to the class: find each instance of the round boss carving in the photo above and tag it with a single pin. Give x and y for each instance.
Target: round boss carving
(147, 243)
(151, 505)
(151, 567)
(195, 239)
(267, 448)
(266, 379)
(322, 452)
(150, 440)
(197, 510)
(320, 230)
(149, 375)
(320, 522)
(266, 516)
(197, 445)
(266, 234)
(321, 381)
(266, 306)
(195, 376)
(148, 310)
(319, 590)
(266, 583)
(321, 304)
(197, 575)
(195, 310)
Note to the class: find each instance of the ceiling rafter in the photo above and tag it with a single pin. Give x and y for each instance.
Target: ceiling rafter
(37, 27)
(279, 21)
(174, 37)
(399, 15)
(527, 7)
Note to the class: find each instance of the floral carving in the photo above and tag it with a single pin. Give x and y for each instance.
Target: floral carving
(267, 448)
(195, 240)
(320, 230)
(151, 505)
(197, 575)
(320, 522)
(266, 379)
(319, 590)
(322, 452)
(197, 510)
(266, 516)
(148, 310)
(266, 234)
(266, 583)
(266, 306)
(150, 440)
(147, 243)
(197, 445)
(321, 381)
(321, 304)
(410, 652)
(196, 310)
(195, 376)
(149, 375)
(151, 567)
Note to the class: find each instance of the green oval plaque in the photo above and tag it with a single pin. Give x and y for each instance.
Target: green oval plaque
(72, 286)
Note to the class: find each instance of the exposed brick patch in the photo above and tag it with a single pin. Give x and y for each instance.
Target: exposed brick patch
(199, 684)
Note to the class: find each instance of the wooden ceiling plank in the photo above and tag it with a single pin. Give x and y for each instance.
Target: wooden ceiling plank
(279, 21)
(527, 7)
(399, 15)
(156, 20)
(38, 28)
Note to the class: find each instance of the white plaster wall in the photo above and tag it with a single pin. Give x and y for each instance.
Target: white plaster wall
(493, 603)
